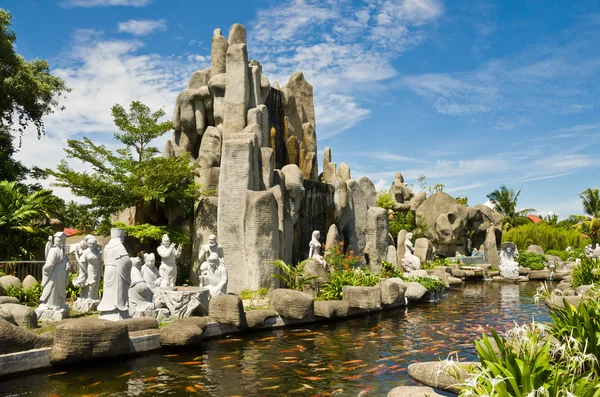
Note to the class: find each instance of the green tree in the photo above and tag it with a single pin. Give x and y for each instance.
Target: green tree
(79, 216)
(10, 169)
(590, 198)
(27, 89)
(133, 176)
(23, 220)
(505, 202)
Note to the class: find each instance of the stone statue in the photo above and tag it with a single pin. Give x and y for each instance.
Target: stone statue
(210, 248)
(314, 250)
(48, 246)
(509, 268)
(411, 261)
(150, 273)
(117, 278)
(214, 275)
(141, 296)
(168, 267)
(55, 278)
(596, 251)
(475, 252)
(90, 270)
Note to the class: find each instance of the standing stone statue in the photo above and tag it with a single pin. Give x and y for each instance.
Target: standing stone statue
(314, 249)
(509, 268)
(55, 278)
(410, 261)
(90, 270)
(168, 268)
(214, 275)
(117, 278)
(150, 273)
(49, 245)
(211, 248)
(141, 296)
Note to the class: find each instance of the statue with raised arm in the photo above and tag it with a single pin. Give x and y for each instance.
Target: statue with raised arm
(211, 247)
(214, 275)
(168, 267)
(117, 278)
(55, 278)
(410, 261)
(314, 249)
(509, 268)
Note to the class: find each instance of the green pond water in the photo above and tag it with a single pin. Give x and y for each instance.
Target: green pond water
(365, 356)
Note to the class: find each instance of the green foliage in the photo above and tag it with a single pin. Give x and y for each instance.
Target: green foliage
(439, 262)
(23, 219)
(79, 216)
(546, 236)
(293, 276)
(249, 294)
(148, 233)
(29, 297)
(586, 272)
(590, 199)
(388, 270)
(133, 176)
(29, 91)
(399, 221)
(337, 259)
(505, 202)
(532, 260)
(338, 278)
(72, 290)
(590, 228)
(431, 284)
(385, 200)
(582, 324)
(10, 169)
(438, 187)
(563, 255)
(462, 200)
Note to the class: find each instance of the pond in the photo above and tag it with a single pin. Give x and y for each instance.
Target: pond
(365, 356)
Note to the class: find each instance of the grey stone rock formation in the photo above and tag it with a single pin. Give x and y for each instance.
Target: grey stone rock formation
(227, 309)
(362, 297)
(400, 246)
(181, 333)
(22, 315)
(9, 299)
(390, 291)
(423, 249)
(292, 304)
(15, 339)
(536, 249)
(369, 190)
(257, 318)
(10, 281)
(377, 237)
(87, 339)
(392, 256)
(299, 103)
(28, 282)
(413, 391)
(332, 309)
(435, 374)
(491, 247)
(414, 291)
(332, 239)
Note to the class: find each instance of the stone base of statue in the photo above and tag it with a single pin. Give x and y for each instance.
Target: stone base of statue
(46, 314)
(85, 305)
(115, 315)
(184, 301)
(518, 279)
(161, 315)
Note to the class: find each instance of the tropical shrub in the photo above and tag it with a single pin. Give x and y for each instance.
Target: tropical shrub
(292, 276)
(357, 277)
(546, 236)
(249, 294)
(337, 259)
(385, 200)
(29, 297)
(532, 260)
(388, 270)
(147, 233)
(586, 272)
(431, 283)
(439, 262)
(563, 255)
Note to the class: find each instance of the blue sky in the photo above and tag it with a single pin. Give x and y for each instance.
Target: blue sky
(471, 94)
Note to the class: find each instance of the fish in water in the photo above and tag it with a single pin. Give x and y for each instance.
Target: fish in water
(125, 374)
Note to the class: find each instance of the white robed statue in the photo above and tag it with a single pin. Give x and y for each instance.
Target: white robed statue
(214, 275)
(410, 261)
(117, 278)
(509, 268)
(55, 279)
(168, 266)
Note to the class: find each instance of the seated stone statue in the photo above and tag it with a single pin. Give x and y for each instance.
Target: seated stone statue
(509, 268)
(475, 252)
(410, 262)
(141, 297)
(150, 272)
(314, 250)
(214, 275)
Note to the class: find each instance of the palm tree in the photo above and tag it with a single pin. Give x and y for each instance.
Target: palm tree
(590, 225)
(505, 202)
(23, 220)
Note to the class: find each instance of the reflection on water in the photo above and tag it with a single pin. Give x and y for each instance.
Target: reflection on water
(362, 355)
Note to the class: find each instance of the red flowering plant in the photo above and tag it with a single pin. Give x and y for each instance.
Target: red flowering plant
(338, 260)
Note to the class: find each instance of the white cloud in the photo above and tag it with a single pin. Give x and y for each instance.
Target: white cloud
(142, 27)
(343, 48)
(104, 3)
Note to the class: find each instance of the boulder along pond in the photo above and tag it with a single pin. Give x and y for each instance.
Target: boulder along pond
(360, 356)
